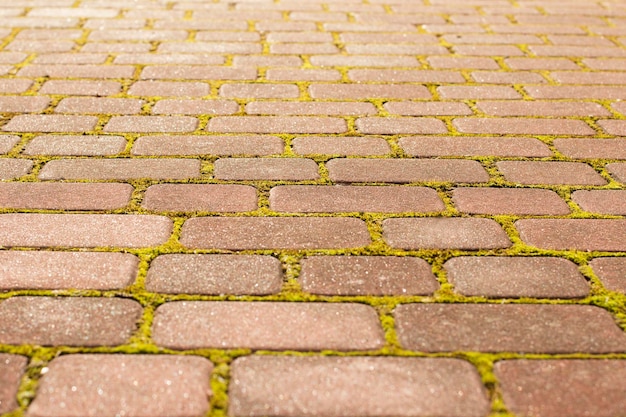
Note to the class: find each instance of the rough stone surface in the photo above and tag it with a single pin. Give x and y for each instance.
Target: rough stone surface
(294, 169)
(200, 197)
(611, 271)
(11, 369)
(473, 146)
(601, 201)
(75, 145)
(120, 169)
(557, 173)
(518, 201)
(212, 145)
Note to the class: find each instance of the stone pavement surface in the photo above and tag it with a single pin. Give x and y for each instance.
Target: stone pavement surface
(313, 208)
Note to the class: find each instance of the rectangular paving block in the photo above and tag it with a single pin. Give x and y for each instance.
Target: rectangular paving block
(576, 92)
(601, 201)
(240, 233)
(11, 168)
(406, 170)
(276, 124)
(345, 145)
(293, 169)
(574, 234)
(50, 123)
(444, 233)
(200, 197)
(367, 91)
(367, 275)
(75, 69)
(404, 76)
(617, 170)
(310, 108)
(198, 72)
(256, 90)
(83, 230)
(509, 277)
(114, 384)
(563, 387)
(44, 270)
(267, 325)
(345, 198)
(542, 108)
(79, 145)
(257, 145)
(478, 92)
(195, 107)
(215, 274)
(23, 104)
(611, 271)
(520, 126)
(7, 142)
(427, 108)
(12, 368)
(147, 124)
(120, 169)
(550, 172)
(592, 148)
(169, 88)
(400, 125)
(521, 328)
(473, 146)
(355, 386)
(70, 321)
(80, 87)
(518, 201)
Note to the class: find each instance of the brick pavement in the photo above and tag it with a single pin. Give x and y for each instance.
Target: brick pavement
(313, 208)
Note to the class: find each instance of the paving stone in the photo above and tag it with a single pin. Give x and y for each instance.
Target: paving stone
(509, 277)
(310, 108)
(70, 321)
(276, 124)
(444, 233)
(12, 368)
(611, 272)
(592, 149)
(303, 48)
(613, 127)
(518, 201)
(541, 108)
(400, 76)
(146, 124)
(571, 387)
(21, 104)
(211, 47)
(550, 172)
(509, 77)
(473, 146)
(604, 64)
(50, 123)
(137, 35)
(11, 168)
(240, 233)
(400, 125)
(64, 196)
(599, 77)
(116, 47)
(405, 170)
(215, 274)
(520, 126)
(198, 72)
(618, 171)
(521, 328)
(346, 198)
(169, 89)
(81, 88)
(330, 145)
(120, 169)
(15, 85)
(477, 92)
(267, 325)
(84, 230)
(212, 145)
(601, 201)
(367, 275)
(575, 92)
(363, 60)
(434, 108)
(293, 169)
(99, 105)
(114, 384)
(243, 61)
(77, 70)
(7, 142)
(40, 46)
(22, 270)
(201, 197)
(279, 74)
(463, 62)
(355, 386)
(260, 90)
(70, 58)
(195, 107)
(157, 58)
(83, 145)
(367, 91)
(574, 234)
(227, 36)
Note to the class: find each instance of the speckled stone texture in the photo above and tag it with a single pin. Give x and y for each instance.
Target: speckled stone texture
(11, 369)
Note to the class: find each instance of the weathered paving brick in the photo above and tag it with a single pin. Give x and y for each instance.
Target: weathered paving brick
(99, 105)
(405, 170)
(520, 126)
(575, 92)
(294, 169)
(156, 58)
(473, 146)
(541, 108)
(541, 64)
(356, 146)
(509, 77)
(355, 386)
(12, 368)
(260, 90)
(613, 127)
(280, 74)
(368, 91)
(50, 123)
(120, 169)
(15, 85)
(550, 172)
(429, 108)
(384, 199)
(444, 233)
(577, 51)
(77, 70)
(7, 142)
(605, 64)
(563, 387)
(578, 77)
(85, 145)
(479, 92)
(212, 145)
(277, 124)
(38, 45)
(138, 35)
(215, 274)
(169, 89)
(116, 47)
(310, 108)
(404, 76)
(618, 171)
(267, 325)
(195, 107)
(246, 61)
(72, 321)
(84, 230)
(240, 233)
(211, 47)
(81, 87)
(198, 72)
(145, 124)
(574, 234)
(519, 201)
(11, 168)
(70, 58)
(367, 275)
(200, 197)
(601, 201)
(227, 36)
(504, 277)
(303, 48)
(21, 270)
(523, 328)
(64, 196)
(463, 62)
(364, 61)
(611, 272)
(72, 12)
(400, 125)
(394, 49)
(109, 384)
(21, 104)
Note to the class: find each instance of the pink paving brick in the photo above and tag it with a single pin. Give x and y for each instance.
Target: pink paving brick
(429, 108)
(389, 199)
(363, 61)
(277, 124)
(574, 234)
(138, 35)
(211, 47)
(115, 384)
(251, 91)
(355, 386)
(311, 108)
(145, 124)
(521, 328)
(227, 36)
(605, 64)
(65, 58)
(613, 127)
(215, 274)
(99, 105)
(40, 46)
(478, 92)
(577, 51)
(81, 88)
(71, 321)
(279, 74)
(240, 233)
(198, 72)
(509, 77)
(7, 142)
(463, 62)
(195, 107)
(575, 92)
(542, 108)
(400, 125)
(11, 168)
(12, 57)
(21, 104)
(367, 91)
(303, 48)
(116, 47)
(35, 270)
(169, 89)
(405, 170)
(550, 172)
(520, 126)
(86, 145)
(57, 70)
(366, 275)
(64, 196)
(201, 197)
(294, 169)
(599, 77)
(620, 107)
(156, 58)
(267, 325)
(212, 145)
(617, 171)
(444, 233)
(572, 387)
(509, 277)
(473, 146)
(399, 76)
(601, 201)
(356, 146)
(518, 201)
(247, 61)
(120, 169)
(611, 272)
(50, 123)
(12, 367)
(15, 85)
(394, 49)
(84, 230)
